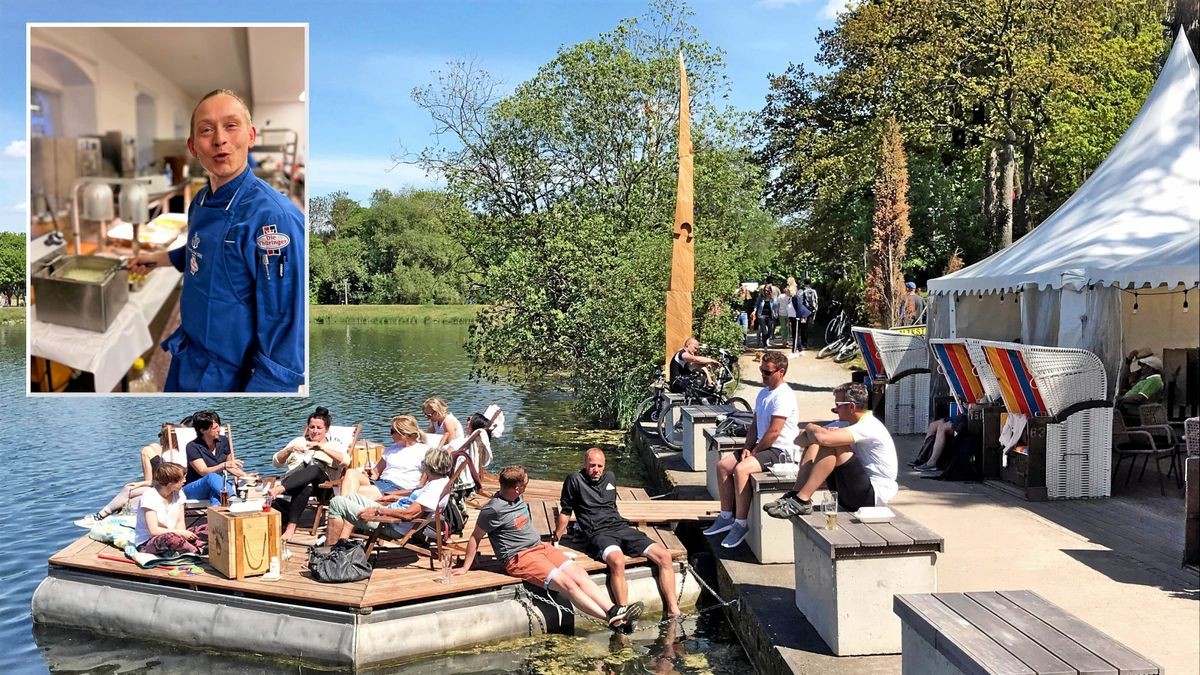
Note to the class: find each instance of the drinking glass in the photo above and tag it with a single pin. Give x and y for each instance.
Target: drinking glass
(446, 562)
(830, 509)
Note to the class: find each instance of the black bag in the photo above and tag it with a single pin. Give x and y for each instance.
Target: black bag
(454, 519)
(734, 424)
(346, 561)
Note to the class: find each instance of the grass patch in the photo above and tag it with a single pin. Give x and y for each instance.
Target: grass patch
(12, 315)
(384, 314)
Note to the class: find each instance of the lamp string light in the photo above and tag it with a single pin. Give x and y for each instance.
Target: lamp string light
(1135, 303)
(1185, 304)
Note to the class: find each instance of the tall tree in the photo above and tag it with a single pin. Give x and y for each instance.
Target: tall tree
(570, 181)
(890, 231)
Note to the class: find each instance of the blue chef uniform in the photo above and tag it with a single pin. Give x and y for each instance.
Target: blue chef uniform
(242, 307)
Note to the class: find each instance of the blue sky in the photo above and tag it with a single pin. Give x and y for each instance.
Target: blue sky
(366, 57)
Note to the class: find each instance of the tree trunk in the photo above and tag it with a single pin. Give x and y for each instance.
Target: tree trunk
(1008, 169)
(990, 166)
(1022, 223)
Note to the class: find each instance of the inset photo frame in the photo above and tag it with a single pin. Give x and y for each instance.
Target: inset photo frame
(167, 230)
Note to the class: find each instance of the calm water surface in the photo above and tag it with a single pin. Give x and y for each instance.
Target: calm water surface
(68, 456)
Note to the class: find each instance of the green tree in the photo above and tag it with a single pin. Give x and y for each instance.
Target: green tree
(12, 265)
(571, 183)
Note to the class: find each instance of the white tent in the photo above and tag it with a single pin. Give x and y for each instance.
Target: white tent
(1134, 226)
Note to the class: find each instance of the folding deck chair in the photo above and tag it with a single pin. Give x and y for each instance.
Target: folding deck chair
(436, 519)
(176, 437)
(347, 437)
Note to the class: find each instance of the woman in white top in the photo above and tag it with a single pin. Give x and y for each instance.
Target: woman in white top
(311, 459)
(151, 455)
(784, 303)
(398, 470)
(160, 527)
(441, 421)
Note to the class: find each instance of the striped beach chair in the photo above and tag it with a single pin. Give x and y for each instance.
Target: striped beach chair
(1063, 392)
(963, 371)
(901, 361)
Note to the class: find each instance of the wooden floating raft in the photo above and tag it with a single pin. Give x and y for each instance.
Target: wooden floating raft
(399, 613)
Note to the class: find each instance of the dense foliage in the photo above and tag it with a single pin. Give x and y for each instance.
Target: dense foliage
(12, 265)
(402, 248)
(571, 183)
(985, 90)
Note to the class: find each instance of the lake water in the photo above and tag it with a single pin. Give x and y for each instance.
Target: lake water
(67, 456)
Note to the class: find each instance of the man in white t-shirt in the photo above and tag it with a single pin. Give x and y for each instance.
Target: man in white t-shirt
(769, 441)
(857, 460)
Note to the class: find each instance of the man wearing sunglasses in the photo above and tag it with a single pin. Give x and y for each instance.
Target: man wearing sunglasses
(770, 440)
(857, 459)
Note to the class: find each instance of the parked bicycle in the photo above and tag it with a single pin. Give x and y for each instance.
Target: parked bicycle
(698, 391)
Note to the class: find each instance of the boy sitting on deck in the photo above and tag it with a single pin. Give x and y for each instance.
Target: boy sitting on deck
(507, 522)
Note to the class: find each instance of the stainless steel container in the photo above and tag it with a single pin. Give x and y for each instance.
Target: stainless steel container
(82, 291)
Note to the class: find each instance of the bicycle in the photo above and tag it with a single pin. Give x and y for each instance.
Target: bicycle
(697, 391)
(837, 335)
(651, 406)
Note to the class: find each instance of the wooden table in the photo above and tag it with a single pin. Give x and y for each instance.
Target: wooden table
(1008, 632)
(846, 577)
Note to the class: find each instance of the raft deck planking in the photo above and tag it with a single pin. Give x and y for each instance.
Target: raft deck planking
(400, 577)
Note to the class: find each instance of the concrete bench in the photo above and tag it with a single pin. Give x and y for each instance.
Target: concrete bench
(846, 577)
(697, 419)
(770, 539)
(1005, 632)
(715, 446)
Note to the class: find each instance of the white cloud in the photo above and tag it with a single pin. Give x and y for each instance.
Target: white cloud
(23, 205)
(835, 8)
(360, 176)
(16, 149)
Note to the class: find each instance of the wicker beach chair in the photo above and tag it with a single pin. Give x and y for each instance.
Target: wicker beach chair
(965, 368)
(901, 361)
(1191, 435)
(1063, 391)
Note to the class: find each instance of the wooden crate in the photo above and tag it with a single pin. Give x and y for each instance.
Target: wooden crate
(241, 545)
(366, 454)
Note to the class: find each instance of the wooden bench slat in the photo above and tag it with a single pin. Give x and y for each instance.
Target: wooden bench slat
(829, 541)
(860, 531)
(1124, 659)
(892, 535)
(1007, 636)
(962, 644)
(1055, 642)
(919, 533)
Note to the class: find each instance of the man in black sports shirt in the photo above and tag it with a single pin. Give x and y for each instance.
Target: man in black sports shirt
(591, 495)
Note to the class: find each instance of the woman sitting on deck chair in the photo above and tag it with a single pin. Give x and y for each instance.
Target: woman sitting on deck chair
(151, 455)
(311, 459)
(398, 470)
(160, 527)
(353, 510)
(209, 457)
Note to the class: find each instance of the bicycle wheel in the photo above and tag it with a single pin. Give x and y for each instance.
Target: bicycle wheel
(831, 348)
(671, 434)
(739, 404)
(647, 411)
(846, 353)
(833, 329)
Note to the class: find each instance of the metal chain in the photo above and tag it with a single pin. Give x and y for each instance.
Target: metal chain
(522, 597)
(569, 610)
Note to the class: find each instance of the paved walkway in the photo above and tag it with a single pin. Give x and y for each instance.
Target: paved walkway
(1112, 562)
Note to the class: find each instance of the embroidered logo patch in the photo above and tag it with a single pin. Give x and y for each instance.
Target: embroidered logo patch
(194, 265)
(196, 240)
(271, 241)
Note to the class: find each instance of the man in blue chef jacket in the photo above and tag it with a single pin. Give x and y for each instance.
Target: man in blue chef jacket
(242, 308)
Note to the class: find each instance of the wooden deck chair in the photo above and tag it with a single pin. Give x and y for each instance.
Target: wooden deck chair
(436, 519)
(177, 436)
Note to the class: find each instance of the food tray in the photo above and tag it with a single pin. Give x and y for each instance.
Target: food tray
(874, 514)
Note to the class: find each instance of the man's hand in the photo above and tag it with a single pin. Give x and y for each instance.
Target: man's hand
(460, 570)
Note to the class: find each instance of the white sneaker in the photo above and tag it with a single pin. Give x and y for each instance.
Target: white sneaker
(722, 524)
(89, 520)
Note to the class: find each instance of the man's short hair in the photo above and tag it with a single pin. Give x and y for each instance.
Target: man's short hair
(513, 477)
(855, 392)
(218, 92)
(777, 359)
